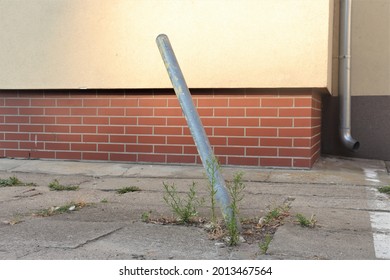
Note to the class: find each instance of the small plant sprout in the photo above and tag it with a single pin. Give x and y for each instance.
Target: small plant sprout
(128, 189)
(145, 217)
(11, 181)
(104, 200)
(385, 189)
(185, 209)
(235, 189)
(14, 181)
(305, 222)
(56, 186)
(275, 216)
(265, 244)
(69, 207)
(212, 167)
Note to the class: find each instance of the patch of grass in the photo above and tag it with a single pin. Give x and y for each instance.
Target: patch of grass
(14, 181)
(185, 209)
(104, 200)
(56, 186)
(305, 222)
(385, 189)
(275, 216)
(55, 210)
(265, 243)
(128, 189)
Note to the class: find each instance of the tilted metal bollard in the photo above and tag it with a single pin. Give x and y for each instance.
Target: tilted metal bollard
(195, 125)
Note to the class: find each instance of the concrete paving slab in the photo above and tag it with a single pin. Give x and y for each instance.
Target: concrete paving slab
(293, 241)
(9, 164)
(382, 245)
(73, 168)
(165, 171)
(42, 233)
(354, 171)
(334, 219)
(332, 203)
(148, 241)
(378, 201)
(307, 190)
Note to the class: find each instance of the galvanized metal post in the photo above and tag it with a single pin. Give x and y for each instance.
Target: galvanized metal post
(195, 125)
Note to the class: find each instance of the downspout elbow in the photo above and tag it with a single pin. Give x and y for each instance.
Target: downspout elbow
(347, 140)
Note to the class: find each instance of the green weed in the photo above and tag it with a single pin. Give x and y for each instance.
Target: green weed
(14, 181)
(305, 222)
(235, 189)
(275, 216)
(385, 189)
(128, 189)
(145, 217)
(72, 206)
(185, 209)
(212, 169)
(265, 244)
(56, 186)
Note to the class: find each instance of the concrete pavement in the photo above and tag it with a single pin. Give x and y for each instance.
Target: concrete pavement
(352, 216)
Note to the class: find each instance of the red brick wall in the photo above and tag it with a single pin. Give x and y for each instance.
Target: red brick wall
(259, 127)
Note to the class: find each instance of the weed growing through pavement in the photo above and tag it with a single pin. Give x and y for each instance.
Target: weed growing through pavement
(275, 216)
(253, 230)
(185, 209)
(14, 181)
(385, 189)
(265, 243)
(269, 224)
(69, 207)
(56, 186)
(212, 169)
(305, 222)
(145, 217)
(128, 189)
(235, 189)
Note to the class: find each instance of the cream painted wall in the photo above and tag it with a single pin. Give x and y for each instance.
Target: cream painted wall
(219, 43)
(370, 50)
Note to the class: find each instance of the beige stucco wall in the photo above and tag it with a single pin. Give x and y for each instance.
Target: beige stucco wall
(370, 51)
(111, 44)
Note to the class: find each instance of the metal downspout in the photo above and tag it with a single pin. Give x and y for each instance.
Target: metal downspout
(345, 76)
(195, 125)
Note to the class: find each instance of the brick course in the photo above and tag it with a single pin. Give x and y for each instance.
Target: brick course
(258, 127)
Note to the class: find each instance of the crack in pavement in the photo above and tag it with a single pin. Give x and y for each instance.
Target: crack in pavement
(86, 242)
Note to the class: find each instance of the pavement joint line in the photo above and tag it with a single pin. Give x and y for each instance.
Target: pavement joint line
(382, 232)
(298, 195)
(362, 209)
(189, 178)
(28, 253)
(99, 237)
